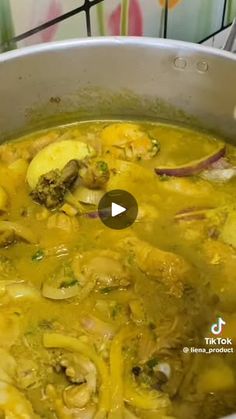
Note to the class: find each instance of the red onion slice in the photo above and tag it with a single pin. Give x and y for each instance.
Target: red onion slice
(193, 167)
(192, 214)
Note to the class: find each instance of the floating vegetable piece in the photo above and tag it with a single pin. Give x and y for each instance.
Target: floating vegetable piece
(64, 284)
(38, 256)
(220, 171)
(69, 209)
(193, 167)
(219, 175)
(60, 293)
(17, 291)
(97, 327)
(193, 214)
(117, 370)
(55, 156)
(88, 196)
(137, 311)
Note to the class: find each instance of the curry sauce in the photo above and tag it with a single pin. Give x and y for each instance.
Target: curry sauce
(95, 322)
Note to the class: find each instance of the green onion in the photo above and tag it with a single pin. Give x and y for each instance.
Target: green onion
(164, 178)
(38, 256)
(70, 283)
(102, 166)
(106, 290)
(116, 310)
(152, 363)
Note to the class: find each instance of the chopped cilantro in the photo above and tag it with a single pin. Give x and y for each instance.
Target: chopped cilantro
(164, 178)
(69, 283)
(102, 166)
(130, 259)
(106, 290)
(152, 362)
(45, 324)
(39, 255)
(116, 310)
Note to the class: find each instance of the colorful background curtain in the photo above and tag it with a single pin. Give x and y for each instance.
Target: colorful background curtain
(190, 20)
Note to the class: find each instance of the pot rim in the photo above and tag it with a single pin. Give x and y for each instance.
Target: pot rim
(111, 41)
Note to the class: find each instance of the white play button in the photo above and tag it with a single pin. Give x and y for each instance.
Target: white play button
(117, 209)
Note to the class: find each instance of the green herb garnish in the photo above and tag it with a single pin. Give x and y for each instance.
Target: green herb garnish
(39, 255)
(116, 310)
(164, 178)
(102, 166)
(70, 283)
(106, 290)
(152, 363)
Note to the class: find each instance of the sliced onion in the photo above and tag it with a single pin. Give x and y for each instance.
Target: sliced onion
(22, 291)
(193, 167)
(88, 196)
(98, 327)
(86, 413)
(192, 214)
(222, 163)
(164, 367)
(49, 290)
(104, 213)
(53, 289)
(219, 175)
(93, 214)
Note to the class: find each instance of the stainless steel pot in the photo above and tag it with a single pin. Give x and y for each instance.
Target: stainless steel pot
(112, 77)
(118, 77)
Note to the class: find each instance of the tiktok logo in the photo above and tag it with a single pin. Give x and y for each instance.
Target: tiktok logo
(217, 327)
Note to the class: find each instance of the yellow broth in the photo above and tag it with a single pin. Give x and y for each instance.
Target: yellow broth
(94, 321)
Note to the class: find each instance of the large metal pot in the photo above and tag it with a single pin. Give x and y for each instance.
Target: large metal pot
(118, 77)
(111, 77)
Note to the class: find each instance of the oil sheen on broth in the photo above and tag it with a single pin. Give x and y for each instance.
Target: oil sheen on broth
(93, 321)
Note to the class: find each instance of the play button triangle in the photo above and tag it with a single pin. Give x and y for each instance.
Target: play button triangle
(116, 209)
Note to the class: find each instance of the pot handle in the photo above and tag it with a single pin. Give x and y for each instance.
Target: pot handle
(228, 46)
